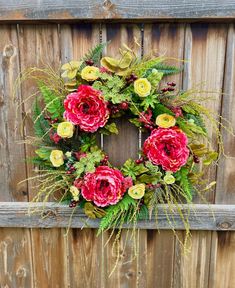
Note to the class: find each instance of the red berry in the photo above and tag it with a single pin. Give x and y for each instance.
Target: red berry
(171, 83)
(196, 159)
(149, 127)
(47, 118)
(139, 161)
(164, 90)
(69, 172)
(89, 62)
(170, 89)
(124, 105)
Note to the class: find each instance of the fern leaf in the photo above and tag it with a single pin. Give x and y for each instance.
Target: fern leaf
(41, 126)
(94, 54)
(165, 69)
(117, 211)
(53, 102)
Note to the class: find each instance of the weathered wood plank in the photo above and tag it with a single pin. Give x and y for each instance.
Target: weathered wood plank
(15, 249)
(84, 247)
(163, 39)
(115, 9)
(205, 47)
(39, 45)
(202, 217)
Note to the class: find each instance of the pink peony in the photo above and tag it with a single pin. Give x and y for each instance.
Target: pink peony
(105, 186)
(86, 108)
(167, 147)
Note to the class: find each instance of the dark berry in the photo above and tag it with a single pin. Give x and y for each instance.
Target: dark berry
(47, 118)
(196, 159)
(148, 127)
(69, 172)
(89, 62)
(139, 161)
(164, 90)
(171, 84)
(170, 89)
(124, 105)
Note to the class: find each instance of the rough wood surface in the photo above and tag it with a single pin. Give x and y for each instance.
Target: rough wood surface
(115, 9)
(202, 217)
(39, 45)
(15, 245)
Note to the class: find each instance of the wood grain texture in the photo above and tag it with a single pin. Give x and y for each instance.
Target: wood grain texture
(205, 47)
(83, 246)
(15, 246)
(226, 169)
(163, 39)
(39, 45)
(115, 9)
(202, 217)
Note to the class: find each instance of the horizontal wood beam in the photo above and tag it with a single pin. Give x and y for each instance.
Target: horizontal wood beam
(14, 10)
(49, 215)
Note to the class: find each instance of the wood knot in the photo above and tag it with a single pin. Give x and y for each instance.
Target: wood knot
(224, 225)
(107, 4)
(9, 51)
(49, 213)
(129, 274)
(21, 272)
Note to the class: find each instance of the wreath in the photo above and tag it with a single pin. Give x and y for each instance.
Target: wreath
(84, 99)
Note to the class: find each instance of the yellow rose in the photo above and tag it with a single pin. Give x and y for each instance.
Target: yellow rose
(75, 193)
(90, 73)
(142, 87)
(165, 121)
(65, 130)
(57, 158)
(137, 191)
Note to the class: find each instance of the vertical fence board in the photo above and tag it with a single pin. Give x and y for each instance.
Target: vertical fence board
(168, 40)
(205, 55)
(223, 243)
(39, 45)
(120, 148)
(15, 248)
(84, 247)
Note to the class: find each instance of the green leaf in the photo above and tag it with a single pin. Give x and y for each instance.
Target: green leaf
(153, 179)
(131, 169)
(43, 153)
(165, 69)
(185, 184)
(161, 109)
(53, 102)
(112, 128)
(150, 101)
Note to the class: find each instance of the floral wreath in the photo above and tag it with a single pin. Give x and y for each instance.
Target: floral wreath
(83, 101)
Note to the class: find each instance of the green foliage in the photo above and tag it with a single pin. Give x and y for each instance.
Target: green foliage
(94, 54)
(190, 128)
(161, 109)
(43, 153)
(197, 120)
(109, 129)
(136, 122)
(131, 169)
(182, 177)
(164, 69)
(150, 101)
(111, 87)
(88, 163)
(117, 214)
(53, 103)
(152, 176)
(41, 126)
(86, 142)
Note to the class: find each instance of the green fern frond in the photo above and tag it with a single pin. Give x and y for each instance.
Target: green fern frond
(94, 54)
(41, 126)
(53, 102)
(167, 69)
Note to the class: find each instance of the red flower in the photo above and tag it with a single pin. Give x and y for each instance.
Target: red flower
(105, 186)
(167, 147)
(86, 108)
(55, 137)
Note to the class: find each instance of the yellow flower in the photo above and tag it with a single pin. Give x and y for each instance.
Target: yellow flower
(90, 73)
(165, 121)
(65, 130)
(137, 191)
(142, 87)
(75, 193)
(70, 69)
(56, 158)
(168, 178)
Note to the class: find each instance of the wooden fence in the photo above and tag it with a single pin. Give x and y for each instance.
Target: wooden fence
(37, 32)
